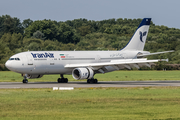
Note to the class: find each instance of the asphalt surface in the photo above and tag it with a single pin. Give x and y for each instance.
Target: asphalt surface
(79, 84)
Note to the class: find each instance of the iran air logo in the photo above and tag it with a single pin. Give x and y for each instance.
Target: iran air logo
(142, 35)
(43, 55)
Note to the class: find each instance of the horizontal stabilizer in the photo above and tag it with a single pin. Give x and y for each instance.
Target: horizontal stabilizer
(156, 53)
(165, 60)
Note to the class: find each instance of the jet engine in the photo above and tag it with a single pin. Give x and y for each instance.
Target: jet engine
(33, 76)
(82, 73)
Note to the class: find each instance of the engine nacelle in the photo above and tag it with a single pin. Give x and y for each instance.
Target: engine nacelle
(32, 76)
(82, 73)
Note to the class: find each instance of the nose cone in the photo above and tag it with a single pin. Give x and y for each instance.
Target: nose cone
(13, 65)
(7, 64)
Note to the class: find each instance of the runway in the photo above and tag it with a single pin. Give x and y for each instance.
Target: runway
(86, 85)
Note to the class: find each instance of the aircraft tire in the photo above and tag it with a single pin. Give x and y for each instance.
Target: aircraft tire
(25, 81)
(59, 80)
(92, 81)
(65, 80)
(95, 81)
(88, 81)
(62, 80)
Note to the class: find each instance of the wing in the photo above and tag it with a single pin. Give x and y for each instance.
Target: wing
(115, 64)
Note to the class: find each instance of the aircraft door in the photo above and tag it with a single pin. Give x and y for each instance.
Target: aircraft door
(30, 60)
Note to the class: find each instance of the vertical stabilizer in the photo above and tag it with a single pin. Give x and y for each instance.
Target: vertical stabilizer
(138, 40)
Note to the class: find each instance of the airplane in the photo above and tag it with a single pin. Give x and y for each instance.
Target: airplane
(84, 64)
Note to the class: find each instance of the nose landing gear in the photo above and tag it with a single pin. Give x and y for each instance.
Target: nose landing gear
(25, 80)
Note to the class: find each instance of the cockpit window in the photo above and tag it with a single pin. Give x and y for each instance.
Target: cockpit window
(14, 59)
(17, 59)
(11, 58)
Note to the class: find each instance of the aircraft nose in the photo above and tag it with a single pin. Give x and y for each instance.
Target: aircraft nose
(8, 64)
(13, 65)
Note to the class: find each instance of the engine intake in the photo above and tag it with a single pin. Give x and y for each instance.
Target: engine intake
(82, 73)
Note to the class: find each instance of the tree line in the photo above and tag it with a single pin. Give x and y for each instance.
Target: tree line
(82, 34)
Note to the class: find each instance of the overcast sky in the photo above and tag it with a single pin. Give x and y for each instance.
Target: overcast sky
(162, 12)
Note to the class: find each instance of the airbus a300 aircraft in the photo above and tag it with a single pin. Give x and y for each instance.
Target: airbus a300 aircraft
(83, 64)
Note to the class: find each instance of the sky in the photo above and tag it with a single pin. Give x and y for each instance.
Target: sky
(162, 12)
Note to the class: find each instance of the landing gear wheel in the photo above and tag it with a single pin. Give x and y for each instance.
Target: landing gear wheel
(25, 81)
(62, 80)
(95, 81)
(92, 81)
(59, 80)
(88, 81)
(65, 80)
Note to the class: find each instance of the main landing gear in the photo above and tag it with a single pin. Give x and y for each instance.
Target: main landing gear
(25, 80)
(62, 79)
(92, 80)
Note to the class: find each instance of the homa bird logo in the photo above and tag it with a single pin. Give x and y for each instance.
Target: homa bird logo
(142, 35)
(41, 55)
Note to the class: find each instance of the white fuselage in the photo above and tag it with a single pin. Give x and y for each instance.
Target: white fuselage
(53, 62)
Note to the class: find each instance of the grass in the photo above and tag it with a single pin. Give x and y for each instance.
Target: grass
(8, 76)
(91, 103)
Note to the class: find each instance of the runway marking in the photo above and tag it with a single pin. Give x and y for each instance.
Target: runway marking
(55, 88)
(66, 88)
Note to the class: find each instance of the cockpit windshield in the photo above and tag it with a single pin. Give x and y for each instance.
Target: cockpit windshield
(14, 59)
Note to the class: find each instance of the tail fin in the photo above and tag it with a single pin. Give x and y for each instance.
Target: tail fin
(138, 40)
